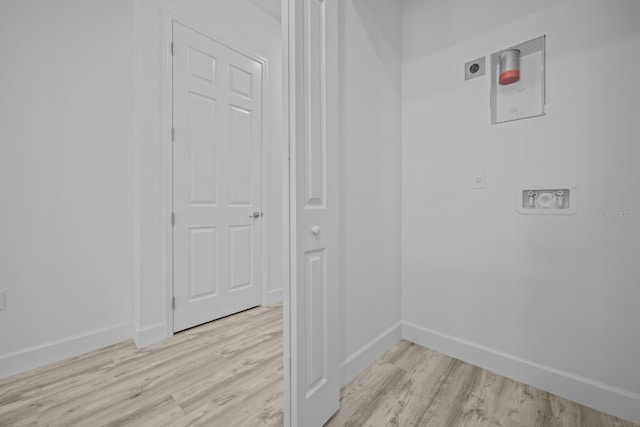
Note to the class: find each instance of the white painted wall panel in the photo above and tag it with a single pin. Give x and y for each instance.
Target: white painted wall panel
(560, 292)
(370, 178)
(66, 174)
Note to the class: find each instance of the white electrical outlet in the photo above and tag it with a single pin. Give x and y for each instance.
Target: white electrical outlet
(3, 300)
(477, 180)
(474, 69)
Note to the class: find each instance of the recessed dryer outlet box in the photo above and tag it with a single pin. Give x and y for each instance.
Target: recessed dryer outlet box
(526, 97)
(548, 200)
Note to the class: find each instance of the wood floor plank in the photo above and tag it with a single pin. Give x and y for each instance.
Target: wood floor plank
(126, 389)
(270, 414)
(482, 405)
(439, 391)
(417, 392)
(248, 366)
(234, 404)
(39, 394)
(364, 394)
(230, 387)
(151, 413)
(130, 394)
(61, 375)
(123, 385)
(405, 355)
(229, 373)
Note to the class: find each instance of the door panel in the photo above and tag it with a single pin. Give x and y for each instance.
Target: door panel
(240, 138)
(314, 212)
(202, 153)
(203, 274)
(316, 293)
(240, 252)
(217, 117)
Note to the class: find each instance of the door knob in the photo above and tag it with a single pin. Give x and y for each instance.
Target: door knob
(315, 229)
(255, 215)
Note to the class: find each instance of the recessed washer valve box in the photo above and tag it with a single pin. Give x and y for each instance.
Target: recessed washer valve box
(548, 201)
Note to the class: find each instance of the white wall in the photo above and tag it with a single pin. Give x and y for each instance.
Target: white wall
(370, 181)
(549, 300)
(247, 27)
(66, 167)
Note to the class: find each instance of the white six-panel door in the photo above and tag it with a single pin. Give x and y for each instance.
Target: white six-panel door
(217, 121)
(315, 327)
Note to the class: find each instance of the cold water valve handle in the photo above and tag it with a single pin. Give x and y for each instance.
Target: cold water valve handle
(560, 198)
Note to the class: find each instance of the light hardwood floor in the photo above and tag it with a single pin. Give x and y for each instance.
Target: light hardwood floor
(414, 386)
(224, 373)
(229, 373)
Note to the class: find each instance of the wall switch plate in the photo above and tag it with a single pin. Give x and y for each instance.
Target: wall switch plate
(474, 68)
(3, 300)
(477, 180)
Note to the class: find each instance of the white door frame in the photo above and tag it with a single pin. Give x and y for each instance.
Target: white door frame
(165, 132)
(287, 235)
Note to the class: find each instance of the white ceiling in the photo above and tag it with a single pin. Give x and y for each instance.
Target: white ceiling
(272, 7)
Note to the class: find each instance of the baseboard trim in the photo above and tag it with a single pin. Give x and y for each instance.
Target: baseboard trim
(55, 351)
(274, 297)
(362, 358)
(597, 395)
(149, 335)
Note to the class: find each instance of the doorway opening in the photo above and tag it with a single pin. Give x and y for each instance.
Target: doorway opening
(227, 191)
